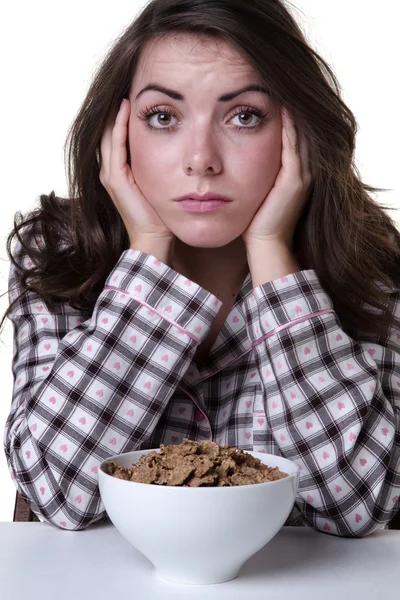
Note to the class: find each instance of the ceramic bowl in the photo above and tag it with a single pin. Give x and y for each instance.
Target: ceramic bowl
(198, 535)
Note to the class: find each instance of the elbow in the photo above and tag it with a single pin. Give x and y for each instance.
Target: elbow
(343, 526)
(68, 520)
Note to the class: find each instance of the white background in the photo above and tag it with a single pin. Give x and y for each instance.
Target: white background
(48, 52)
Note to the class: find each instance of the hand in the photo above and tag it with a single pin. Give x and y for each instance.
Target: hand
(277, 217)
(139, 217)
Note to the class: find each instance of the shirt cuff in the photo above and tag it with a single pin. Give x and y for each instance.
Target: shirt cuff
(285, 301)
(158, 287)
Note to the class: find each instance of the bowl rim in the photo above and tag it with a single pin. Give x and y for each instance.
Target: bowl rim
(174, 488)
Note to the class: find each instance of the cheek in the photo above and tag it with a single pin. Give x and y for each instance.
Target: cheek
(266, 162)
(149, 160)
(260, 167)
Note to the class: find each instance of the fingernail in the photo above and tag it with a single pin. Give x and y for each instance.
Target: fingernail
(123, 103)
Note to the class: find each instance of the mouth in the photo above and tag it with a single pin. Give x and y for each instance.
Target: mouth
(202, 206)
(203, 203)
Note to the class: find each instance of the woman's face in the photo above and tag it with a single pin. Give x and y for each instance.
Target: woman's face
(200, 144)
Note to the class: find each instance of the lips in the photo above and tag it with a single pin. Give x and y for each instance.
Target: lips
(210, 196)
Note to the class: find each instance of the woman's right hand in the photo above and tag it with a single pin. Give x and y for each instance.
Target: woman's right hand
(145, 228)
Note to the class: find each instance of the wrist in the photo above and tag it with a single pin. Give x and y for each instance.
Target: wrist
(270, 260)
(159, 247)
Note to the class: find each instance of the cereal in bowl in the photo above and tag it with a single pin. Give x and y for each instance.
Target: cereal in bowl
(197, 464)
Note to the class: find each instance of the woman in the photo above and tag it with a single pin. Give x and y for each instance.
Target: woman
(266, 319)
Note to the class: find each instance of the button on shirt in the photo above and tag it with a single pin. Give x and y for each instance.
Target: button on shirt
(282, 378)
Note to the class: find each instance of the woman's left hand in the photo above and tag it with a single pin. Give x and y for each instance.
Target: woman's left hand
(277, 217)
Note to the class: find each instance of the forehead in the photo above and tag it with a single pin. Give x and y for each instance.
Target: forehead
(184, 55)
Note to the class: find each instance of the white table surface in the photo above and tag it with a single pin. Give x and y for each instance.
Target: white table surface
(41, 562)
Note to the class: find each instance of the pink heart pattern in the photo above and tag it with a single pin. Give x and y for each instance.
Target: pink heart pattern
(198, 415)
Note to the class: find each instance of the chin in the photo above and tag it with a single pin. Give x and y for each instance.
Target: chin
(205, 239)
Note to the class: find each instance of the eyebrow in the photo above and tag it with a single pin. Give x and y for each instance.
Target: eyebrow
(224, 98)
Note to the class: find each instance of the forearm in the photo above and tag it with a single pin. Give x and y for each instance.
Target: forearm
(270, 260)
(161, 248)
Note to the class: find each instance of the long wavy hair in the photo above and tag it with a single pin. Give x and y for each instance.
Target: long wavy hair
(343, 233)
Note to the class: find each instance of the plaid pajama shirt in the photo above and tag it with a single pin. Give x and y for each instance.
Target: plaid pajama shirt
(282, 377)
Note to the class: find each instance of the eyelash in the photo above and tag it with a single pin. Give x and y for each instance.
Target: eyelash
(148, 112)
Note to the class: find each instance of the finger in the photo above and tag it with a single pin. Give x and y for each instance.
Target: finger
(118, 139)
(309, 167)
(290, 148)
(105, 147)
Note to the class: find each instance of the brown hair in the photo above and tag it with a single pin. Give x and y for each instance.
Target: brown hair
(343, 234)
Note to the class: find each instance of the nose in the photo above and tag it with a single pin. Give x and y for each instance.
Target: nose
(202, 156)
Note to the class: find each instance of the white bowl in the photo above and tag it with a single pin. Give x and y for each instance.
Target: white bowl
(198, 535)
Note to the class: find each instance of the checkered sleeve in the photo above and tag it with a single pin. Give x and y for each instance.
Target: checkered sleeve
(332, 403)
(88, 387)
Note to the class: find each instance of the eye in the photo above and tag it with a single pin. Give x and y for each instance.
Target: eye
(248, 113)
(158, 118)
